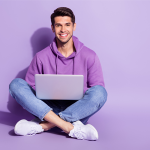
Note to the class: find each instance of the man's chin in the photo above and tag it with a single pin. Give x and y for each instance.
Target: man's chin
(64, 41)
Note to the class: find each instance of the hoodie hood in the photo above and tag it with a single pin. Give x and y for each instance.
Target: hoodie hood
(78, 46)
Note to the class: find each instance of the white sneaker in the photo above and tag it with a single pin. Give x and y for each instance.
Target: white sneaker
(83, 132)
(77, 123)
(24, 127)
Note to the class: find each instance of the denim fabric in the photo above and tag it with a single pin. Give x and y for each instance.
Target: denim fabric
(69, 110)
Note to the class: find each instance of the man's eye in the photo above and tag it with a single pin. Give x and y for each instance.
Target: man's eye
(68, 24)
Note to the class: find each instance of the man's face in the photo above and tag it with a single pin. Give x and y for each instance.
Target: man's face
(63, 28)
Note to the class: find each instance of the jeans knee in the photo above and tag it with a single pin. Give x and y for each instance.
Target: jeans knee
(15, 83)
(101, 95)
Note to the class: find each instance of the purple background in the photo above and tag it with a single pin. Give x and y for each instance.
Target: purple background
(119, 32)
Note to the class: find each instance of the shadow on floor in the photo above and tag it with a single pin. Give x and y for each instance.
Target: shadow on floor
(10, 119)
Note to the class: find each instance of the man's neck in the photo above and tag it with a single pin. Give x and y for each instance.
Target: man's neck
(66, 49)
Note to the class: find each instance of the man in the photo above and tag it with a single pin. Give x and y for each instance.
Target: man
(65, 55)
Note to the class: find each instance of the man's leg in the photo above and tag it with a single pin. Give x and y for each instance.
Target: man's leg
(92, 101)
(22, 92)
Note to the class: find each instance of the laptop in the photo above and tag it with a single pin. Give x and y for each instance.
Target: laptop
(59, 87)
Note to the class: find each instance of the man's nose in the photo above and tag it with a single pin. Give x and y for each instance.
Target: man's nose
(62, 28)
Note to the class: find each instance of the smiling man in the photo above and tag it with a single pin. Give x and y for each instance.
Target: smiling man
(63, 29)
(65, 55)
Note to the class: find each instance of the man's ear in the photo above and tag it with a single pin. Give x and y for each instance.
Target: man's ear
(52, 28)
(74, 27)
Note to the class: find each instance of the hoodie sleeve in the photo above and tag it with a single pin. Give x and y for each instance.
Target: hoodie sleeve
(95, 75)
(34, 68)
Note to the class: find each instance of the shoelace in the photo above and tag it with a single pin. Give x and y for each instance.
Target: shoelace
(78, 133)
(32, 132)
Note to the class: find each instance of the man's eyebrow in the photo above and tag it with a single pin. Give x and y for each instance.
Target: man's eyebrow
(60, 23)
(57, 24)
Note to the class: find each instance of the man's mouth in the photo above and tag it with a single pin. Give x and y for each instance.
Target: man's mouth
(63, 35)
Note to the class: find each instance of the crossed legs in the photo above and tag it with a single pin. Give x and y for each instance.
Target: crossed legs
(93, 99)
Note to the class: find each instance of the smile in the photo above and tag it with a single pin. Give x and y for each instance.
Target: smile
(63, 35)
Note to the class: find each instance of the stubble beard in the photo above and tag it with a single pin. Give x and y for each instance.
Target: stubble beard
(62, 43)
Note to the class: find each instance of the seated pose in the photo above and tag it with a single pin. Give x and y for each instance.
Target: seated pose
(65, 55)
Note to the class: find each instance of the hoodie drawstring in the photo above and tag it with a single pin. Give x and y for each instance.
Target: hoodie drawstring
(73, 64)
(56, 63)
(78, 46)
(65, 64)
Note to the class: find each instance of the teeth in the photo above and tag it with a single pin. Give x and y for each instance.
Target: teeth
(63, 34)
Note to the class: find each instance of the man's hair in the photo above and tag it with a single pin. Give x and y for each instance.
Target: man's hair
(62, 11)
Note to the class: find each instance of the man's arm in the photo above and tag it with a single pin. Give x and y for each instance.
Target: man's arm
(34, 68)
(95, 74)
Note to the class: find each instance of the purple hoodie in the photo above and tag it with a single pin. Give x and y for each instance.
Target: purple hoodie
(83, 61)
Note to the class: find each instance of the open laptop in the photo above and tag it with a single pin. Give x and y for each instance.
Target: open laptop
(59, 87)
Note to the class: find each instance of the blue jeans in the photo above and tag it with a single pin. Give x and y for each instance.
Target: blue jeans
(69, 110)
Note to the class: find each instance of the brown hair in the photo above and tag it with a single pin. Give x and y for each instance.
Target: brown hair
(62, 11)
